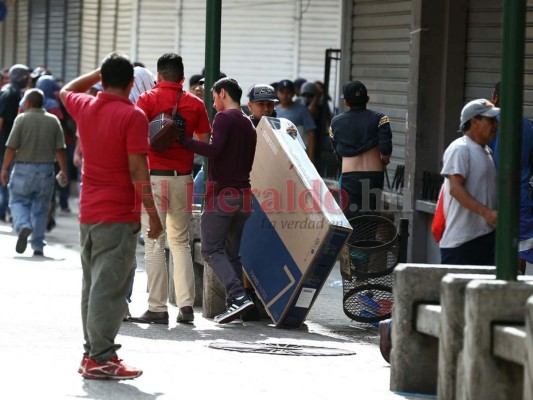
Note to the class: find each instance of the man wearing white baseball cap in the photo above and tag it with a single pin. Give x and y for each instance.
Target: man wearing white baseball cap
(470, 189)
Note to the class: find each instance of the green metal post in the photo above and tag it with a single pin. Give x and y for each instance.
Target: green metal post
(510, 135)
(212, 51)
(213, 24)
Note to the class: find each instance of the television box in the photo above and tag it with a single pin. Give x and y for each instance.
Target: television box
(296, 228)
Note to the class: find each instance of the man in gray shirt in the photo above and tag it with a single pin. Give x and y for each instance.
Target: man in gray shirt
(35, 142)
(470, 189)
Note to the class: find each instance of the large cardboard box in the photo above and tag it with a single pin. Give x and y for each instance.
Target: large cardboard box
(296, 229)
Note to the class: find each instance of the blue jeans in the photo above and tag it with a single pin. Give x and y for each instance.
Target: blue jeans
(30, 189)
(198, 188)
(4, 192)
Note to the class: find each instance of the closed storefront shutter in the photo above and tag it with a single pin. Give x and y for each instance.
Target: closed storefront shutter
(320, 30)
(14, 34)
(124, 20)
(72, 54)
(56, 37)
(483, 51)
(22, 26)
(89, 35)
(37, 38)
(157, 28)
(380, 59)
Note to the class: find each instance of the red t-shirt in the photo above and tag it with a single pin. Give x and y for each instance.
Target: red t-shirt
(162, 98)
(110, 128)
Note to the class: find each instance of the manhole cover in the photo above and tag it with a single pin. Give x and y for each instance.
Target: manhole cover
(283, 349)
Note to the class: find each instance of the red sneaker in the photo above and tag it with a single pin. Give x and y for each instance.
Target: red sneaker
(111, 369)
(81, 368)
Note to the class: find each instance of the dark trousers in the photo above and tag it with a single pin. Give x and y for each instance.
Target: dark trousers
(363, 190)
(478, 251)
(221, 231)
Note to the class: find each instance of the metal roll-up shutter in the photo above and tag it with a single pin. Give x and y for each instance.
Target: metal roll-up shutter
(108, 29)
(380, 59)
(320, 30)
(72, 54)
(483, 51)
(254, 50)
(483, 48)
(89, 35)
(124, 20)
(22, 31)
(56, 37)
(8, 29)
(158, 24)
(37, 40)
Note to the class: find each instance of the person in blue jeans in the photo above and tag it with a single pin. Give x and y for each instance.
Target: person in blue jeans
(35, 142)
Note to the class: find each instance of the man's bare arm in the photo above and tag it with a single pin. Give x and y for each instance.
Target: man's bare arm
(9, 156)
(80, 84)
(459, 192)
(204, 137)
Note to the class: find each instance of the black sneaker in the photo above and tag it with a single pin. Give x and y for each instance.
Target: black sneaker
(22, 241)
(236, 306)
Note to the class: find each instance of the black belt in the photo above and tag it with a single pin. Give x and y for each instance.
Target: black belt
(167, 172)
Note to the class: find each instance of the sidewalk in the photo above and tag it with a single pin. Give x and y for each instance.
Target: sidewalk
(41, 341)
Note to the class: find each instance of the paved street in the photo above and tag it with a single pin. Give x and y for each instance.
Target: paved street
(41, 341)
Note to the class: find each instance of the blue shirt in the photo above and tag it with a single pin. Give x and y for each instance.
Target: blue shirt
(525, 161)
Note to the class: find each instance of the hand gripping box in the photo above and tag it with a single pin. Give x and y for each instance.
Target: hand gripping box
(296, 228)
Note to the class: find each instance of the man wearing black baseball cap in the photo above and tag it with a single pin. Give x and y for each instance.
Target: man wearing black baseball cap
(363, 139)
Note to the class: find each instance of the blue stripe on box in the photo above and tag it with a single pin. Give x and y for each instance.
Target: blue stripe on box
(267, 262)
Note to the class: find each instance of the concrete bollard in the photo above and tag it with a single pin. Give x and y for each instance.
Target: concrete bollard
(487, 377)
(214, 294)
(414, 355)
(528, 368)
(452, 301)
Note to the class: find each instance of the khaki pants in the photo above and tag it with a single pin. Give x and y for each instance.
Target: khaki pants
(173, 207)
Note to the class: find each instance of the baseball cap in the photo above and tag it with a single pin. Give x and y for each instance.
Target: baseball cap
(19, 74)
(286, 84)
(298, 82)
(354, 92)
(262, 92)
(308, 87)
(477, 107)
(38, 72)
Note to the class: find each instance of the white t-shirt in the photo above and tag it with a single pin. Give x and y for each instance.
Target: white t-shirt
(474, 162)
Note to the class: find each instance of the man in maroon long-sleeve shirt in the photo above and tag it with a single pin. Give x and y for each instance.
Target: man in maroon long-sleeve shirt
(231, 153)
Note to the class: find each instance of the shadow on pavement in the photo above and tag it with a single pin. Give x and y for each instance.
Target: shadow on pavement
(99, 390)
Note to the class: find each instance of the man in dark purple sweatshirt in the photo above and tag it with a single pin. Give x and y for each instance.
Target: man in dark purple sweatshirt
(231, 152)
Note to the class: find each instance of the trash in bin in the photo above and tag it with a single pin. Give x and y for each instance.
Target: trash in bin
(372, 255)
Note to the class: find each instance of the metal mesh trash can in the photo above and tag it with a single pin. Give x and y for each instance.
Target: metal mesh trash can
(373, 253)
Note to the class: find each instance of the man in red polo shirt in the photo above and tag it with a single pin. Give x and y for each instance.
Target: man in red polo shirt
(170, 173)
(113, 135)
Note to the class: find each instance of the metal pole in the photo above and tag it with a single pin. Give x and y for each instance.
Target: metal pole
(510, 132)
(213, 25)
(212, 51)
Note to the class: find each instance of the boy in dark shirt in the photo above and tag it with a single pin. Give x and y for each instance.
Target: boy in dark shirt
(231, 152)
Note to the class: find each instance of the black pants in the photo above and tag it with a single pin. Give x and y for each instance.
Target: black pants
(363, 190)
(478, 251)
